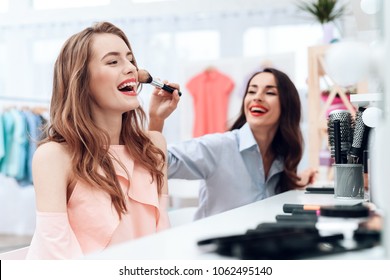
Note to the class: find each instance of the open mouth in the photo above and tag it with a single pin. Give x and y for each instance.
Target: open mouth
(258, 109)
(126, 87)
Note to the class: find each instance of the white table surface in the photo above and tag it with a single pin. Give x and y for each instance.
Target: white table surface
(181, 242)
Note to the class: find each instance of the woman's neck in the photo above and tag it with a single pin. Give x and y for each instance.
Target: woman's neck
(264, 140)
(112, 125)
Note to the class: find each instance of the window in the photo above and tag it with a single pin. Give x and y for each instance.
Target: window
(60, 4)
(294, 37)
(46, 51)
(281, 40)
(3, 70)
(4, 6)
(255, 43)
(198, 45)
(44, 54)
(160, 46)
(150, 1)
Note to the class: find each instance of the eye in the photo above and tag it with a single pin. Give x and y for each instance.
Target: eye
(251, 92)
(131, 58)
(112, 62)
(271, 93)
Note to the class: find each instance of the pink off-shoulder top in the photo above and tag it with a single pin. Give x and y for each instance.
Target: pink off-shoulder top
(91, 222)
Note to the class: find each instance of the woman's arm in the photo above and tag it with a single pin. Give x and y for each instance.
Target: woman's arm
(163, 220)
(195, 159)
(162, 104)
(53, 237)
(159, 140)
(51, 167)
(307, 176)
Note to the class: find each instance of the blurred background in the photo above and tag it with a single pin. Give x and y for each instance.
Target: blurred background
(174, 40)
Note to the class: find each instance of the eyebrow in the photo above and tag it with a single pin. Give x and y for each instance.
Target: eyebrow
(115, 54)
(267, 86)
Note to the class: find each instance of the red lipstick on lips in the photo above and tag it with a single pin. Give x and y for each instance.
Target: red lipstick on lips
(128, 87)
(257, 110)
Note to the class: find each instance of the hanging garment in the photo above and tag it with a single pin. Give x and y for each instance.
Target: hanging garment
(210, 91)
(16, 147)
(8, 124)
(33, 132)
(2, 139)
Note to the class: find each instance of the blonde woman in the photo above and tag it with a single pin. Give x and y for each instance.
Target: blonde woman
(100, 178)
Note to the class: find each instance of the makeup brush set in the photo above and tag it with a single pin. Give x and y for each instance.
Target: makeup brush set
(348, 141)
(347, 137)
(296, 237)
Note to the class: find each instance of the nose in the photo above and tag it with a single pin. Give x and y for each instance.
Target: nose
(259, 96)
(129, 68)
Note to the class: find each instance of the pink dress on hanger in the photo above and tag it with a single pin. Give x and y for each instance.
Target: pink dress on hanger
(210, 90)
(92, 224)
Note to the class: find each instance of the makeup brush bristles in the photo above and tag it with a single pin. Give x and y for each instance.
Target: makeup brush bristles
(144, 77)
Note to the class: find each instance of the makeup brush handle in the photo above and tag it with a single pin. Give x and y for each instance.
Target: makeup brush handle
(337, 141)
(169, 89)
(164, 86)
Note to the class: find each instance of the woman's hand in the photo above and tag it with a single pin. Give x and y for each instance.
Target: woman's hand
(162, 104)
(307, 177)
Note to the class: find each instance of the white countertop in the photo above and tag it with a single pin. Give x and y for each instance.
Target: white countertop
(181, 242)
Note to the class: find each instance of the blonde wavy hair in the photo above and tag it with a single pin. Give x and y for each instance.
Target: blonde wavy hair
(71, 121)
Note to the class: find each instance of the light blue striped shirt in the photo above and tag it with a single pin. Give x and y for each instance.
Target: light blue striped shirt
(230, 167)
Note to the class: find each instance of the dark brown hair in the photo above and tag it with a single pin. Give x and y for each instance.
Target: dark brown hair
(288, 141)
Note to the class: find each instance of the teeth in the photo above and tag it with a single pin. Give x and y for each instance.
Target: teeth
(131, 84)
(256, 109)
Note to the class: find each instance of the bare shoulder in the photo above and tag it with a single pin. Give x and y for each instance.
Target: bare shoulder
(158, 139)
(51, 152)
(51, 168)
(52, 158)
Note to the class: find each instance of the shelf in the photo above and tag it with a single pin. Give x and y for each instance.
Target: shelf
(365, 99)
(317, 122)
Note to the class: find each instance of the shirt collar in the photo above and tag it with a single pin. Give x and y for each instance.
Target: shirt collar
(246, 137)
(247, 140)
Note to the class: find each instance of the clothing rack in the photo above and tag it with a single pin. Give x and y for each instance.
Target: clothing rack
(21, 126)
(24, 99)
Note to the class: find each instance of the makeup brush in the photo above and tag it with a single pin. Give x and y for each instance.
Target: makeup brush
(360, 135)
(344, 135)
(145, 78)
